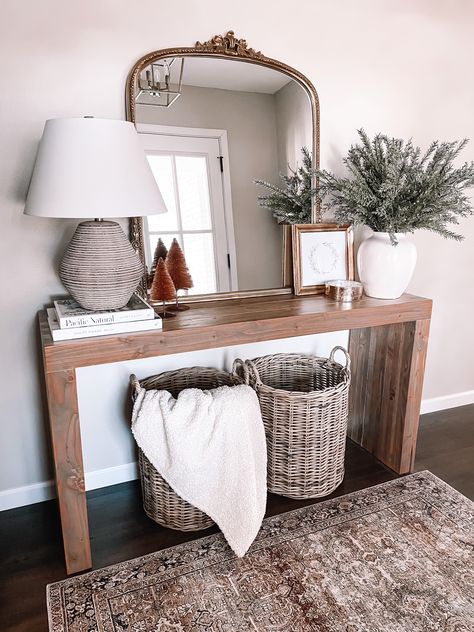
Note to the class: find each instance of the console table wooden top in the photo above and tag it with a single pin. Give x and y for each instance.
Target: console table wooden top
(387, 344)
(238, 321)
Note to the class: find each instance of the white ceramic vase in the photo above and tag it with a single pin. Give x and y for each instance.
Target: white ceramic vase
(384, 269)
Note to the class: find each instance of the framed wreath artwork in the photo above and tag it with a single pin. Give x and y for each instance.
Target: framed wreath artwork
(321, 252)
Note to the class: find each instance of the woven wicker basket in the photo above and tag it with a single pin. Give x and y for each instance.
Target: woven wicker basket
(160, 501)
(304, 403)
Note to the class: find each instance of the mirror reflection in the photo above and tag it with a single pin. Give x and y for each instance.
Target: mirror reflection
(210, 127)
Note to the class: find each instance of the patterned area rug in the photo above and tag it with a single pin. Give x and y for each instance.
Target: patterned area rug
(397, 557)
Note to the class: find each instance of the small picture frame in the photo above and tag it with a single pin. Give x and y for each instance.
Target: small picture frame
(321, 252)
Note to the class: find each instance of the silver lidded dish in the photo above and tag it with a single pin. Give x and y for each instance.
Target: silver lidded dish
(346, 291)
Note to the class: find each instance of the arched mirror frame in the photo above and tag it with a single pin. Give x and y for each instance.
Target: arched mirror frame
(226, 46)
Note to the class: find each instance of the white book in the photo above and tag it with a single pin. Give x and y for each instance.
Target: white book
(73, 333)
(71, 315)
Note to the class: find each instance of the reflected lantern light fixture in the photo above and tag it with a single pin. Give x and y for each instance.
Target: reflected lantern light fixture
(95, 168)
(155, 82)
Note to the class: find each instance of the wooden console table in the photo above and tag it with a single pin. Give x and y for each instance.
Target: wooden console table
(388, 343)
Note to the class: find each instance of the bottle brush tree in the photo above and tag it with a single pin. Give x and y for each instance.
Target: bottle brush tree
(179, 272)
(162, 288)
(161, 252)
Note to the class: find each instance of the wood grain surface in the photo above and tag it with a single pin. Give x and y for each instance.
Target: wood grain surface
(69, 469)
(238, 321)
(387, 380)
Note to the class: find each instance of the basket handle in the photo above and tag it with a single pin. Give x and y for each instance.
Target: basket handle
(344, 351)
(253, 372)
(240, 370)
(135, 385)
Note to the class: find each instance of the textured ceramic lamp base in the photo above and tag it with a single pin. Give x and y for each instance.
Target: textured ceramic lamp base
(100, 269)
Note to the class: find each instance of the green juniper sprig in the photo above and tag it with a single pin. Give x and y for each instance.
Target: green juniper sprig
(293, 203)
(394, 188)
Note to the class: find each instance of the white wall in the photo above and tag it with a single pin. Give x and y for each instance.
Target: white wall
(398, 66)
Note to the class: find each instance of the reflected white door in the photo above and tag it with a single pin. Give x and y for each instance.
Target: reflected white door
(188, 172)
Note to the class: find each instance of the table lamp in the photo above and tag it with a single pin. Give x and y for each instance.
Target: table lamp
(95, 168)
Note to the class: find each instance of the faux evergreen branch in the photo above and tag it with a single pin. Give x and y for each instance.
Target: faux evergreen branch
(394, 188)
(292, 203)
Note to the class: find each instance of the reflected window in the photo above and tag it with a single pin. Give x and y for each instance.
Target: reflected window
(184, 184)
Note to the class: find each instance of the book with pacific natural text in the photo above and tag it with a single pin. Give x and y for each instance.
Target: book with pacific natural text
(72, 333)
(71, 314)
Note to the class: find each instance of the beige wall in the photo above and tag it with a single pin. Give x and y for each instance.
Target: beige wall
(250, 121)
(398, 66)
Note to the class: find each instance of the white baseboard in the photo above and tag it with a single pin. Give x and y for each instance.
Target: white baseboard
(112, 476)
(38, 492)
(447, 401)
(27, 495)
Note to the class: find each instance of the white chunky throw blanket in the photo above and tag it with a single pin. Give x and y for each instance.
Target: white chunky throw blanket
(210, 447)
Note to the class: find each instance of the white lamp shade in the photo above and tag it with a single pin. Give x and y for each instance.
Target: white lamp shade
(94, 168)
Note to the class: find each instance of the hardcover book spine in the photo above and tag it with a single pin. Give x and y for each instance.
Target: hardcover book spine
(101, 330)
(104, 330)
(97, 320)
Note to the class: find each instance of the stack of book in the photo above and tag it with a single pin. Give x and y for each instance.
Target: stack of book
(68, 320)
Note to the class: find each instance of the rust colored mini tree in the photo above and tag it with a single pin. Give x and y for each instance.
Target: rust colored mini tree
(161, 252)
(162, 288)
(178, 269)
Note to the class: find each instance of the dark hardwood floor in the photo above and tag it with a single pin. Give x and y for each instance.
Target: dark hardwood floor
(446, 447)
(30, 540)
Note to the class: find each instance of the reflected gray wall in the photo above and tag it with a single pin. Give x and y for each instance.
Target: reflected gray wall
(250, 121)
(294, 124)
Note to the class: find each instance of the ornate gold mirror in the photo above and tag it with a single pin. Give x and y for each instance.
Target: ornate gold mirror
(213, 119)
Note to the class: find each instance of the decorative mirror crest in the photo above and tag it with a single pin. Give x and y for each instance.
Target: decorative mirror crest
(228, 44)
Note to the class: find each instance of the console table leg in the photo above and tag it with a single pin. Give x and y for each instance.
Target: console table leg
(69, 470)
(388, 364)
